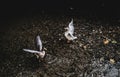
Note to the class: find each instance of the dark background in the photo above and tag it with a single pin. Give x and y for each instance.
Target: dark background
(101, 8)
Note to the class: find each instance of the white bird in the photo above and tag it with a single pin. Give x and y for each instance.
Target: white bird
(40, 52)
(70, 31)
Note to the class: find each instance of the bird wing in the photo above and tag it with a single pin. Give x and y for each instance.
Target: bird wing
(71, 27)
(39, 43)
(31, 51)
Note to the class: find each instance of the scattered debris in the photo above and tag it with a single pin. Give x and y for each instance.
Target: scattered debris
(85, 47)
(114, 41)
(112, 61)
(106, 41)
(101, 59)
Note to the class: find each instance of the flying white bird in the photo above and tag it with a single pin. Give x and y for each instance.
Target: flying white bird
(40, 53)
(70, 31)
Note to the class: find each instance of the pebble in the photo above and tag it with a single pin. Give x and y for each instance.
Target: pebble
(112, 61)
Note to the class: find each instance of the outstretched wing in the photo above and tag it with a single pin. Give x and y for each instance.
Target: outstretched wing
(39, 43)
(31, 51)
(71, 27)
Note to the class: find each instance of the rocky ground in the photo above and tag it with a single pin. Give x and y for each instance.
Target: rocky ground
(96, 52)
